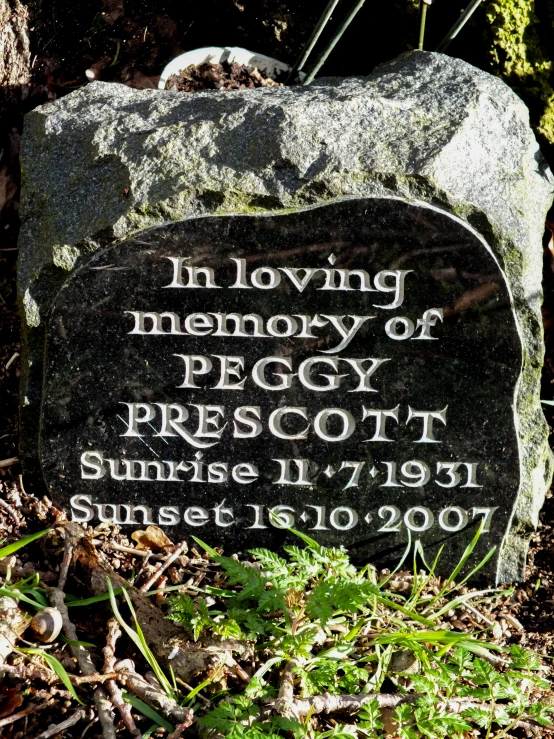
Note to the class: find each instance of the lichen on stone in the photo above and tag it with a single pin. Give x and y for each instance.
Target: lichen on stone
(65, 256)
(32, 312)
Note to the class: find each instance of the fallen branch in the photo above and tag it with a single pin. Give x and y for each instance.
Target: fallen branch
(182, 727)
(8, 462)
(34, 671)
(151, 694)
(352, 704)
(103, 706)
(349, 704)
(96, 678)
(33, 708)
(285, 701)
(114, 632)
(71, 721)
(66, 561)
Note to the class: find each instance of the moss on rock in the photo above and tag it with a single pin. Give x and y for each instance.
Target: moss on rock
(523, 54)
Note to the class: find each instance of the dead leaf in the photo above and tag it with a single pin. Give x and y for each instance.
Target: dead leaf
(8, 187)
(151, 538)
(10, 700)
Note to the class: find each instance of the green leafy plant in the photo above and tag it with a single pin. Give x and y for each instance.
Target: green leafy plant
(325, 638)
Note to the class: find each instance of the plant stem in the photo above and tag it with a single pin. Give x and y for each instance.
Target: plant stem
(459, 24)
(333, 41)
(316, 33)
(422, 19)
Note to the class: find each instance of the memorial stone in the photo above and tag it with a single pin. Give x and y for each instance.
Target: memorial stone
(315, 308)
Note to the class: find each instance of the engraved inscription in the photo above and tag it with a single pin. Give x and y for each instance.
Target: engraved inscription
(328, 371)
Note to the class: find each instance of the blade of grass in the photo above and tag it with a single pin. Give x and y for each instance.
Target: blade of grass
(207, 547)
(406, 611)
(463, 559)
(77, 643)
(18, 595)
(94, 599)
(200, 687)
(32, 581)
(460, 600)
(56, 666)
(17, 545)
(485, 559)
(148, 733)
(383, 660)
(152, 661)
(312, 543)
(260, 672)
(147, 711)
(442, 637)
(419, 586)
(408, 549)
(138, 638)
(35, 592)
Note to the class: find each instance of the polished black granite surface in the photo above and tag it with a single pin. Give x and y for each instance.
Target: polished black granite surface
(347, 370)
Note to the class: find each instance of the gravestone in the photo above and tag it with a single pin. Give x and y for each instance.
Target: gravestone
(315, 308)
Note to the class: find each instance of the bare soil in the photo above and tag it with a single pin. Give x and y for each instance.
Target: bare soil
(223, 76)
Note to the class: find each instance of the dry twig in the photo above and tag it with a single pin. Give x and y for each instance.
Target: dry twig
(182, 727)
(71, 721)
(351, 704)
(35, 671)
(10, 509)
(151, 694)
(8, 462)
(285, 701)
(163, 566)
(66, 561)
(16, 716)
(114, 632)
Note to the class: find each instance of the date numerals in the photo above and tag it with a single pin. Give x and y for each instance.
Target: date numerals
(415, 474)
(421, 518)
